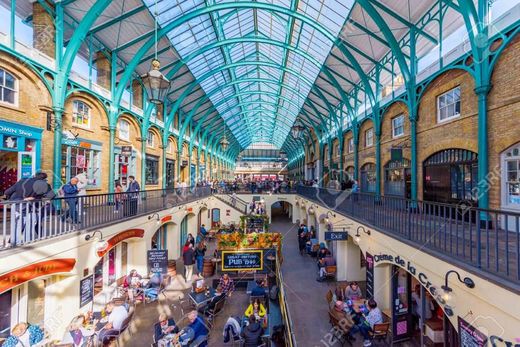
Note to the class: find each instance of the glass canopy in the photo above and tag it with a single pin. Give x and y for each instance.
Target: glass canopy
(257, 87)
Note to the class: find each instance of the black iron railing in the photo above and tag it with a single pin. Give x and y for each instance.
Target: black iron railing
(233, 201)
(488, 240)
(24, 222)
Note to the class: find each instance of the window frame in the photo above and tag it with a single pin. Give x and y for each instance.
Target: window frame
(119, 135)
(15, 89)
(152, 177)
(371, 131)
(455, 115)
(350, 145)
(75, 103)
(394, 135)
(150, 136)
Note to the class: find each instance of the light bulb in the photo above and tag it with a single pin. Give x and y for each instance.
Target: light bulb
(357, 239)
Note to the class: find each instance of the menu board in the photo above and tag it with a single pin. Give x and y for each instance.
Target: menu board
(370, 275)
(336, 236)
(158, 261)
(255, 224)
(471, 336)
(86, 290)
(243, 260)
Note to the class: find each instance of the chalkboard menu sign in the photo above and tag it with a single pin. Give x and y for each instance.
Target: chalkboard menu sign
(471, 336)
(243, 260)
(336, 236)
(86, 290)
(158, 261)
(370, 275)
(255, 224)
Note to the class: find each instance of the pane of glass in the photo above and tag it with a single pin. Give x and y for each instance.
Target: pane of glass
(9, 96)
(512, 165)
(9, 81)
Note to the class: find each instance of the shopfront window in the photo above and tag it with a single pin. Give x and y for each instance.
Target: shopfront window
(448, 105)
(124, 166)
(450, 176)
(396, 176)
(159, 239)
(111, 266)
(36, 302)
(152, 169)
(81, 114)
(124, 130)
(350, 145)
(5, 313)
(368, 178)
(8, 88)
(78, 160)
(98, 277)
(511, 177)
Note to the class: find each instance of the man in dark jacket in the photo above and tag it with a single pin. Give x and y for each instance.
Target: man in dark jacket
(70, 192)
(189, 259)
(252, 334)
(132, 196)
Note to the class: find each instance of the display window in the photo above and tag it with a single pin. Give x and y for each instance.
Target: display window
(81, 157)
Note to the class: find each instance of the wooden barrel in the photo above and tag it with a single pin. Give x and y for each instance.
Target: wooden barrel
(172, 268)
(209, 267)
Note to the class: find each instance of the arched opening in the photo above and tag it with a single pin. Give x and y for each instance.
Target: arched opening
(398, 178)
(368, 178)
(281, 211)
(202, 218)
(187, 226)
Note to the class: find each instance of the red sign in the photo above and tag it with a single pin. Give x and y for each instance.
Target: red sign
(30, 272)
(166, 219)
(114, 240)
(189, 209)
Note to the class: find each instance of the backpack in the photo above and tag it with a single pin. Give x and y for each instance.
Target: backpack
(273, 293)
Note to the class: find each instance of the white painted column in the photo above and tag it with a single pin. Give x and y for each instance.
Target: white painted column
(348, 259)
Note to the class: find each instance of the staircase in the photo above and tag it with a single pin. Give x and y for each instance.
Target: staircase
(238, 204)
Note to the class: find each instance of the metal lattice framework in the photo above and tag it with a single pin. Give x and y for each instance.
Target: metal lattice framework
(250, 69)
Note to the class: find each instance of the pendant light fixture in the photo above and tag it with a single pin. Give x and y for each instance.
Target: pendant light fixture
(224, 143)
(296, 130)
(155, 84)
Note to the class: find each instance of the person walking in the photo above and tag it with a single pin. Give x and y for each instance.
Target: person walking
(118, 201)
(70, 192)
(132, 196)
(188, 258)
(82, 191)
(200, 252)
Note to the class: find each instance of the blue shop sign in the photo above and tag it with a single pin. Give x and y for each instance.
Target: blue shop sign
(336, 236)
(20, 130)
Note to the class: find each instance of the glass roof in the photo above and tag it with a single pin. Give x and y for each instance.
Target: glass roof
(257, 87)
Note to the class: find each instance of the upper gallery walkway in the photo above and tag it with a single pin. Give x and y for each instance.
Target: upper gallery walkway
(486, 242)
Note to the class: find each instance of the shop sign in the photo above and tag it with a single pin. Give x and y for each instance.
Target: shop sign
(158, 261)
(86, 290)
(370, 275)
(243, 260)
(166, 219)
(189, 209)
(33, 271)
(184, 163)
(23, 131)
(126, 151)
(336, 236)
(408, 266)
(114, 240)
(471, 336)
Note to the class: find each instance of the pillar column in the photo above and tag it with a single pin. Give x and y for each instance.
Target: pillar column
(56, 168)
(383, 286)
(44, 30)
(413, 157)
(111, 160)
(377, 129)
(483, 164)
(104, 70)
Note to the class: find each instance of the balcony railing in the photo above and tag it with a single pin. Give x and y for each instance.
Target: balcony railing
(487, 240)
(24, 222)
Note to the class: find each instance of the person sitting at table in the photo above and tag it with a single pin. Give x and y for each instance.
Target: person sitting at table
(210, 306)
(24, 334)
(257, 309)
(353, 292)
(116, 317)
(196, 333)
(151, 291)
(258, 289)
(77, 335)
(252, 333)
(322, 253)
(131, 283)
(164, 330)
(366, 325)
(227, 285)
(344, 319)
(323, 263)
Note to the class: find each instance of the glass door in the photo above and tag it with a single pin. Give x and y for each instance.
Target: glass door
(184, 231)
(402, 320)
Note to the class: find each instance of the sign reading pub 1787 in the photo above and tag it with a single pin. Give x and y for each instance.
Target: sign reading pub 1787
(243, 260)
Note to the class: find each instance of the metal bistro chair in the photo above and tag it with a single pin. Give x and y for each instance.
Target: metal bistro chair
(181, 306)
(212, 314)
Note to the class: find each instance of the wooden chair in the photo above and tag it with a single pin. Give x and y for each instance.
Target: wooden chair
(380, 332)
(338, 332)
(329, 297)
(330, 271)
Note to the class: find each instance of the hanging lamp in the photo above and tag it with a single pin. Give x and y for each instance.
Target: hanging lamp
(155, 84)
(296, 130)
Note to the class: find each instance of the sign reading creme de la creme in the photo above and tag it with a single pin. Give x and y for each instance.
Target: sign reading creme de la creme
(399, 261)
(243, 260)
